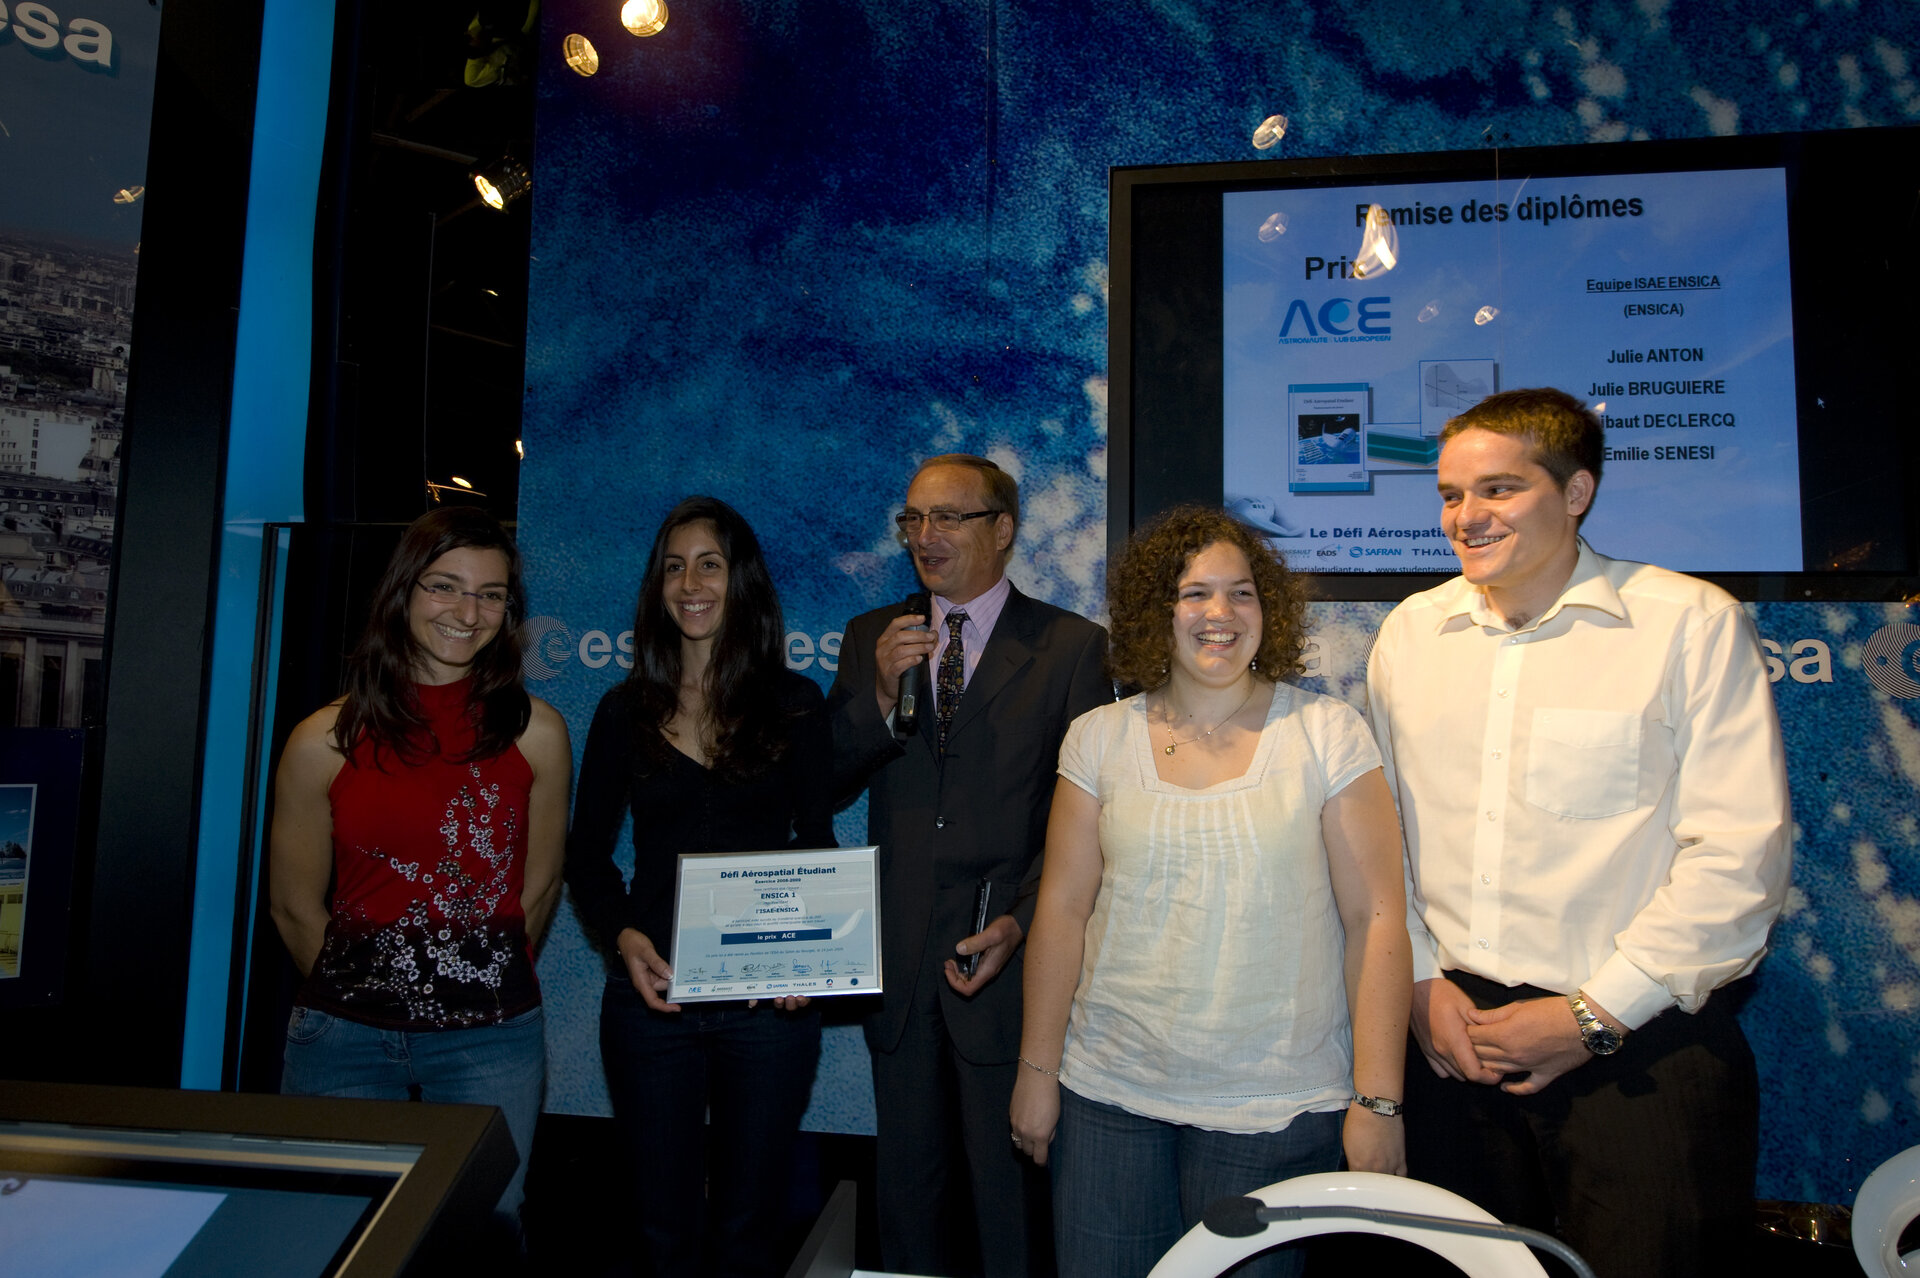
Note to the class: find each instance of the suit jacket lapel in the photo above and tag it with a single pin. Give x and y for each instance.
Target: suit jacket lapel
(1009, 649)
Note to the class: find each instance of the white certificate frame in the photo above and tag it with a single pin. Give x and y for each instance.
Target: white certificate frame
(776, 924)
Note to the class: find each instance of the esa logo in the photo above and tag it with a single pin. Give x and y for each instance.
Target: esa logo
(1891, 659)
(1338, 317)
(1807, 661)
(547, 644)
(37, 27)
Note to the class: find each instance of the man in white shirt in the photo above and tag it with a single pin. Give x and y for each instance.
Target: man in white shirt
(1592, 783)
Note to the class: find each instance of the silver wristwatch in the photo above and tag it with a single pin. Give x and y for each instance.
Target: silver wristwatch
(1601, 1038)
(1381, 1106)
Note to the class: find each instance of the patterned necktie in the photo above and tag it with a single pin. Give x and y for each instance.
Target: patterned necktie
(953, 675)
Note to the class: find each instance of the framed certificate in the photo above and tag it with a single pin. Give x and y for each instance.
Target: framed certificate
(774, 924)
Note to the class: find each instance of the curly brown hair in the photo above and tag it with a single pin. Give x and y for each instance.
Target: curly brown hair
(1142, 586)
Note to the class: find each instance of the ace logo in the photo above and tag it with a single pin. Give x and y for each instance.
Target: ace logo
(1339, 317)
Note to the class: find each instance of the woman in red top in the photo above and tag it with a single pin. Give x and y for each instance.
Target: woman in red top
(433, 798)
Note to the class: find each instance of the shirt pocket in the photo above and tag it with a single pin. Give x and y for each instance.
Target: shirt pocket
(1584, 764)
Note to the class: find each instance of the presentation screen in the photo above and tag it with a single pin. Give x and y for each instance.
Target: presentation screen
(1291, 338)
(1663, 300)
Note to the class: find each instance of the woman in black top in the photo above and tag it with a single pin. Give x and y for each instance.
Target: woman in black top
(713, 745)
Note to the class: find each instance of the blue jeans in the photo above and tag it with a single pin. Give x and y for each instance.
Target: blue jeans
(752, 1069)
(503, 1065)
(1126, 1188)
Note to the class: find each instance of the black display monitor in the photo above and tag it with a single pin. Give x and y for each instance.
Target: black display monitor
(136, 1181)
(1289, 337)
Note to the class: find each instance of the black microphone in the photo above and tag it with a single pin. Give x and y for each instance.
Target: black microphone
(913, 680)
(1234, 1217)
(1244, 1217)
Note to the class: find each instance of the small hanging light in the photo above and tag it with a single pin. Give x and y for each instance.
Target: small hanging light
(1269, 132)
(1379, 247)
(580, 54)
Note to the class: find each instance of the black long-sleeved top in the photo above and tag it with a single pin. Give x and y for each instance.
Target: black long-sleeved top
(679, 806)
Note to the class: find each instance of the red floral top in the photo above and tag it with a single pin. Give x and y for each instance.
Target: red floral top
(429, 857)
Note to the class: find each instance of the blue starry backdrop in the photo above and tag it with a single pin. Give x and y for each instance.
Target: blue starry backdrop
(784, 250)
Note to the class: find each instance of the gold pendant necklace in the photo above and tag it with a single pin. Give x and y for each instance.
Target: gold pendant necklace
(1172, 744)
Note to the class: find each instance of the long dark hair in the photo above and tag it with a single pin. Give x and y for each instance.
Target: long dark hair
(742, 680)
(380, 704)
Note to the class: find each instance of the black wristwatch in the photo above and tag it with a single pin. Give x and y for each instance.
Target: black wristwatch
(1601, 1038)
(1381, 1106)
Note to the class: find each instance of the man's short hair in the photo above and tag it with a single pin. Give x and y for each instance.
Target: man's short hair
(1562, 434)
(1003, 490)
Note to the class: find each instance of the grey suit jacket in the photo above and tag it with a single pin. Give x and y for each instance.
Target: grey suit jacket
(981, 813)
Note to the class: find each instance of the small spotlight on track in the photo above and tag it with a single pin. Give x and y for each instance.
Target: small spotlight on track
(502, 182)
(459, 489)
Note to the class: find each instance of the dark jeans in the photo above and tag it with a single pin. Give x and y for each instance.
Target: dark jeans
(1642, 1161)
(503, 1065)
(753, 1071)
(1126, 1188)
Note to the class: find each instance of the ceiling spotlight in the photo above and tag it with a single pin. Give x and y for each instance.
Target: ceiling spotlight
(1273, 228)
(580, 54)
(644, 17)
(502, 182)
(128, 194)
(1485, 314)
(1269, 132)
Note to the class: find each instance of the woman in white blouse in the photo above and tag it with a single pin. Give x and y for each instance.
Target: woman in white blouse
(1218, 971)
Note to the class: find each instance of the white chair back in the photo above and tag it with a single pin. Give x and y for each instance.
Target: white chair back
(1882, 1210)
(1203, 1254)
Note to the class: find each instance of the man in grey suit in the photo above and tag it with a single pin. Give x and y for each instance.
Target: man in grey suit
(957, 807)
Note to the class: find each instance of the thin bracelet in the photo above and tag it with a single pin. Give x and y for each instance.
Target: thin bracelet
(1050, 1073)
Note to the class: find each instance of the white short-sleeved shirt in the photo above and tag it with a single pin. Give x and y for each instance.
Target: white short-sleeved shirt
(1211, 992)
